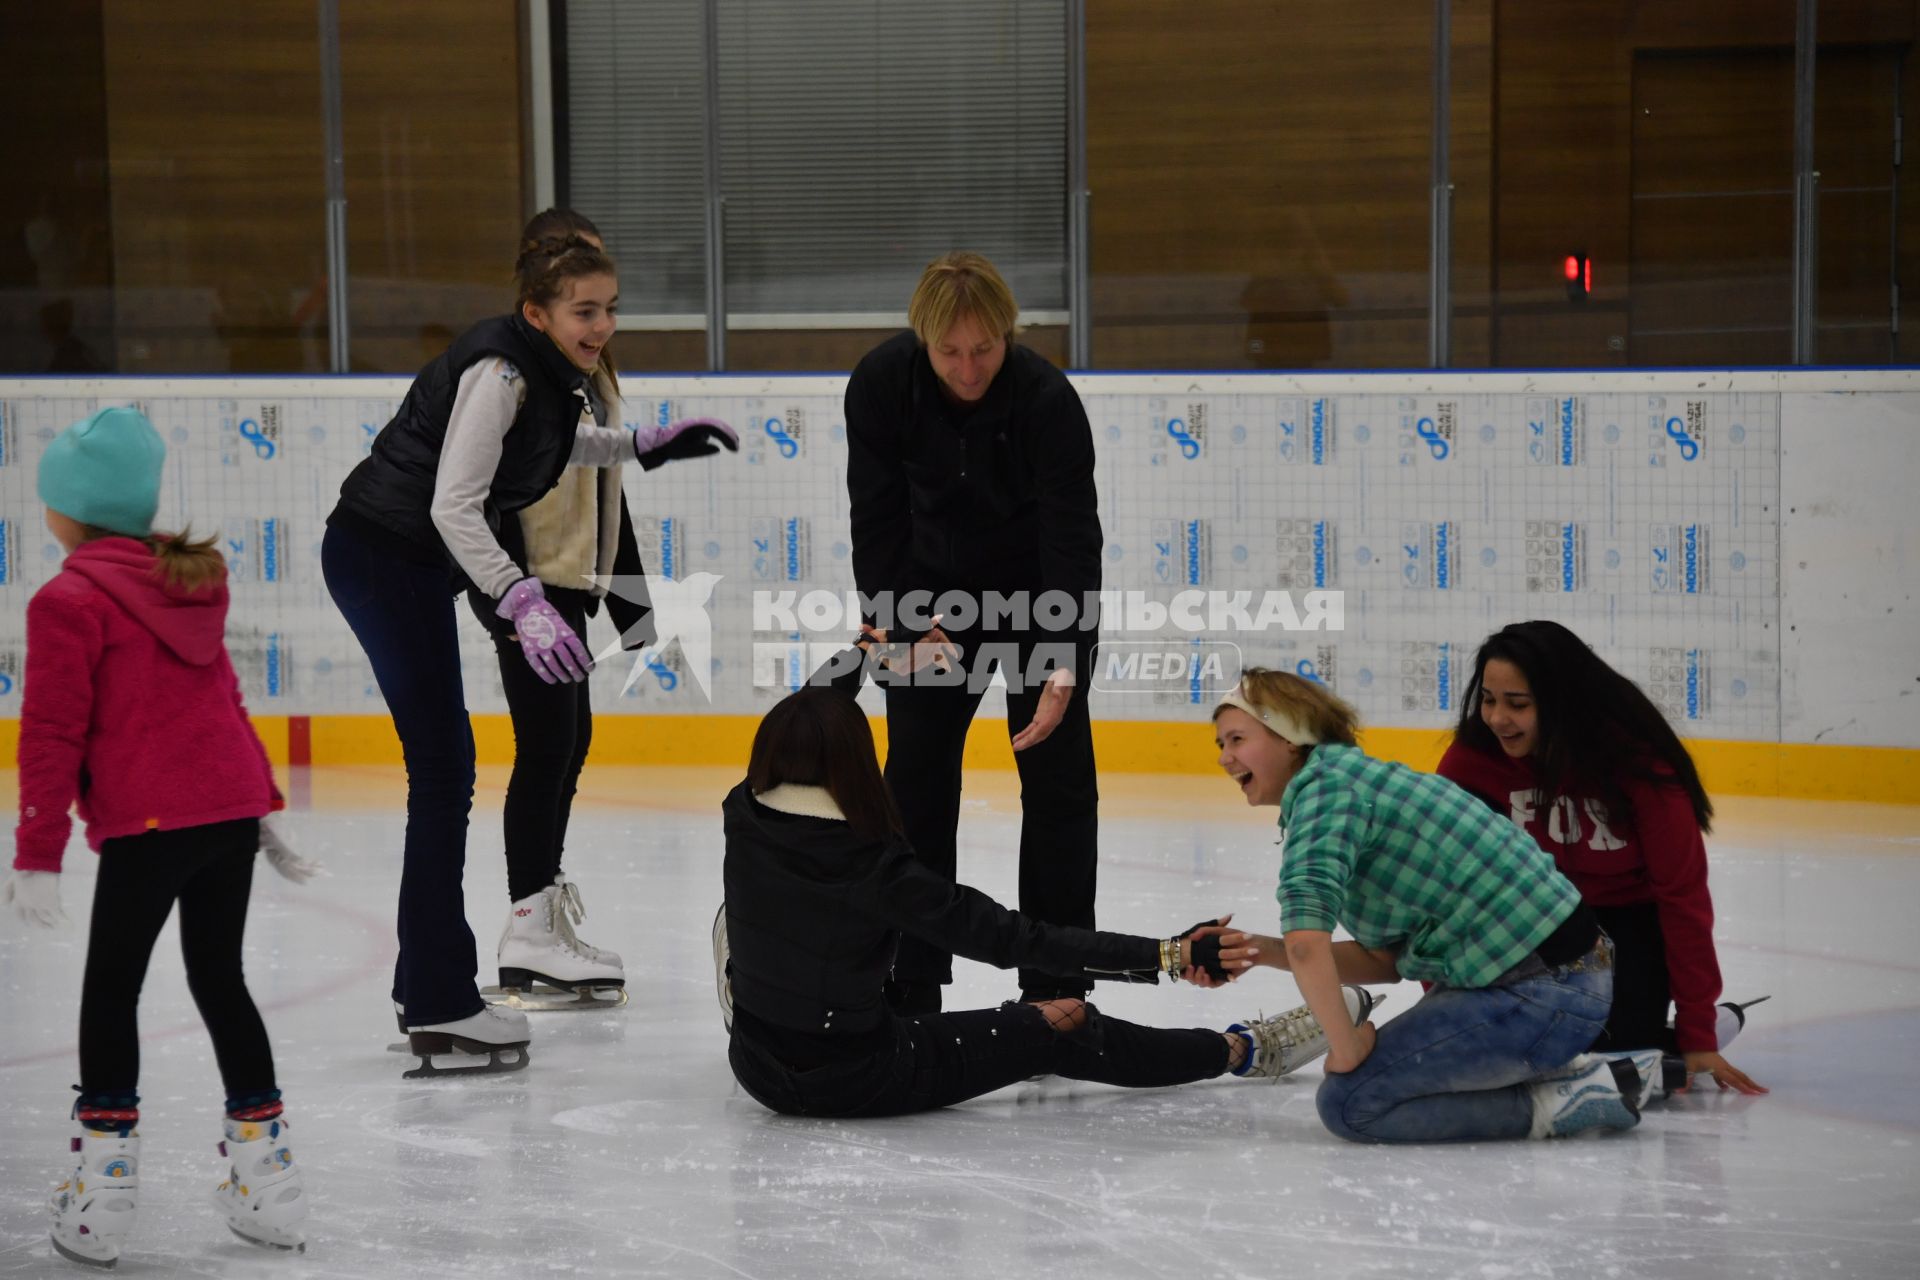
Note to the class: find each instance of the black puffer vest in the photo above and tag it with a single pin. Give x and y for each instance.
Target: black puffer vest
(389, 496)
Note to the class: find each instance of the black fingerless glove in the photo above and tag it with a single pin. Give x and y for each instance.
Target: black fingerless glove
(1206, 955)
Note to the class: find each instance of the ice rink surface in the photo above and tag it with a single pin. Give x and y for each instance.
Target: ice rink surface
(626, 1149)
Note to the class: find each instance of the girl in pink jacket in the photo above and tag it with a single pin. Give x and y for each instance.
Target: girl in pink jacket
(131, 710)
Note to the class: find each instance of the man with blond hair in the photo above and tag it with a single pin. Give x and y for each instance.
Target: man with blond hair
(970, 476)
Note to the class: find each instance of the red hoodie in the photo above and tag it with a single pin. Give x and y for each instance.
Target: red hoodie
(1661, 859)
(130, 706)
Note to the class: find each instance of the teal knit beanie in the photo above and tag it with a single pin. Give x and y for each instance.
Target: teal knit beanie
(104, 470)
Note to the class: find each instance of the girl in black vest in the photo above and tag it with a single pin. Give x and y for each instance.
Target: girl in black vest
(486, 430)
(821, 886)
(572, 540)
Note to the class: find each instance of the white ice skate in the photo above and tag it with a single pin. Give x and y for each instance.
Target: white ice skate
(96, 1206)
(1284, 1044)
(1590, 1092)
(538, 948)
(498, 1035)
(262, 1198)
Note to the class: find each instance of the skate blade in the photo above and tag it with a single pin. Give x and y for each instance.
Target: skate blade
(536, 1001)
(498, 1062)
(103, 1264)
(289, 1246)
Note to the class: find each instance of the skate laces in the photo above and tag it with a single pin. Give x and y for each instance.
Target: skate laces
(565, 910)
(1272, 1037)
(569, 898)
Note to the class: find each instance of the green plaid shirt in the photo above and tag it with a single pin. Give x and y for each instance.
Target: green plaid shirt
(1409, 861)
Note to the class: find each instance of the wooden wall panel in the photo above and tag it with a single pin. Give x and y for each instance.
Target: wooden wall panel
(1687, 213)
(219, 233)
(1562, 177)
(1260, 173)
(56, 261)
(213, 118)
(435, 190)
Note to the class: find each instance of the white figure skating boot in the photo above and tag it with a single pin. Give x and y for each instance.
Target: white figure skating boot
(262, 1198)
(538, 946)
(498, 1034)
(1284, 1044)
(96, 1206)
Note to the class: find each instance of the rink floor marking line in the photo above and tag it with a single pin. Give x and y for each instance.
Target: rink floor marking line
(367, 968)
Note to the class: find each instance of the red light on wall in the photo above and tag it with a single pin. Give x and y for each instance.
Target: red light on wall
(1578, 270)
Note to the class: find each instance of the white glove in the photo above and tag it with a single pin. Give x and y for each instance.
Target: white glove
(282, 858)
(36, 896)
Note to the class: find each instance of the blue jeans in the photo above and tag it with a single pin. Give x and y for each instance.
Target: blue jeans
(1453, 1068)
(402, 615)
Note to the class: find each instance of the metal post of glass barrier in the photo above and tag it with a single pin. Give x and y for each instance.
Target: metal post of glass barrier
(336, 163)
(1440, 241)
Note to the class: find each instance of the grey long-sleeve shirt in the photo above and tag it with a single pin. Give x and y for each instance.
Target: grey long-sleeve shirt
(489, 396)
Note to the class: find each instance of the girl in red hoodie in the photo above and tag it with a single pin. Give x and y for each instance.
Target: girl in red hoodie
(131, 710)
(1573, 752)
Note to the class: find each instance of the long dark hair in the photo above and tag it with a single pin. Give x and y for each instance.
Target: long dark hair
(1597, 729)
(819, 737)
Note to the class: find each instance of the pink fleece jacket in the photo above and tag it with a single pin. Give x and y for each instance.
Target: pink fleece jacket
(130, 707)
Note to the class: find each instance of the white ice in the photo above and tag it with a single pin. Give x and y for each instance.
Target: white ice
(626, 1148)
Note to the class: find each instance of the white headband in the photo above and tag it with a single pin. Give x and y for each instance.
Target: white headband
(1278, 722)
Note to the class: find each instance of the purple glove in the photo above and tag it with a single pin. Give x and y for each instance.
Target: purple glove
(687, 438)
(553, 650)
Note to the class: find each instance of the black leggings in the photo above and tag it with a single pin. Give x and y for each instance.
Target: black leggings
(936, 1060)
(209, 870)
(1641, 996)
(552, 729)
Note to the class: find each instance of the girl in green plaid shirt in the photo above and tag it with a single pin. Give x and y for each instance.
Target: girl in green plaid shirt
(1433, 886)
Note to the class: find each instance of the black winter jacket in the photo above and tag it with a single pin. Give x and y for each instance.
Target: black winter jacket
(814, 912)
(388, 498)
(995, 495)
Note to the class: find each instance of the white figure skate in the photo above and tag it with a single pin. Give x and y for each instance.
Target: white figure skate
(499, 1036)
(538, 949)
(1284, 1044)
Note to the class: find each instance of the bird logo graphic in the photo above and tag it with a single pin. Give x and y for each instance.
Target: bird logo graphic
(678, 612)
